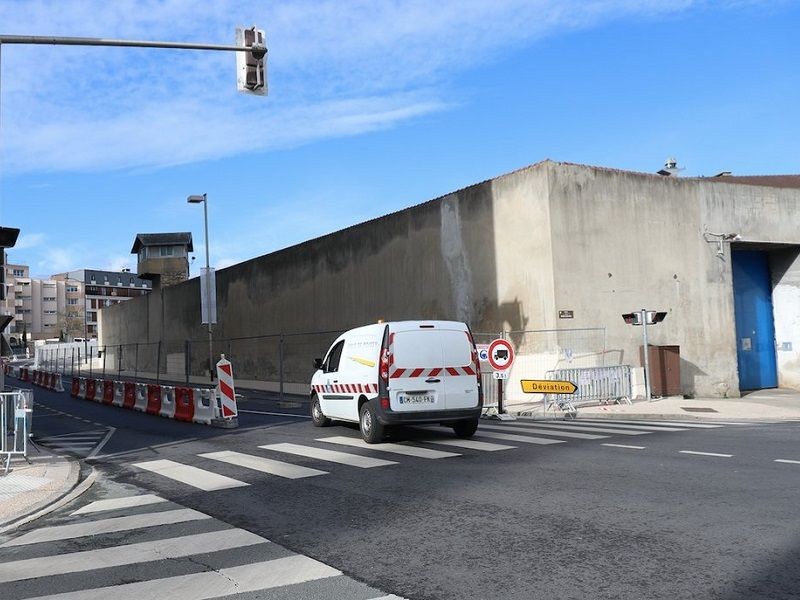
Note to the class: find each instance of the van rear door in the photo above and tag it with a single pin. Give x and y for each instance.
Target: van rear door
(416, 370)
(461, 382)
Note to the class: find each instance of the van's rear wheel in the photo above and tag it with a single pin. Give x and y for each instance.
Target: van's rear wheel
(317, 416)
(371, 429)
(465, 428)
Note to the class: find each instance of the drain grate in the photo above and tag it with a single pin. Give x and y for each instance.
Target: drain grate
(697, 409)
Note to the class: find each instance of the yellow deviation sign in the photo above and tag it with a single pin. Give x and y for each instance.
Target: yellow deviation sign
(544, 386)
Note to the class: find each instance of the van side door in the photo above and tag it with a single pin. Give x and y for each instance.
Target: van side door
(333, 400)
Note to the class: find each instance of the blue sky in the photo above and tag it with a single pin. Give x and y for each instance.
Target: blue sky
(373, 107)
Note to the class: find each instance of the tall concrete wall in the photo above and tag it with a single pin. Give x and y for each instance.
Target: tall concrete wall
(785, 269)
(625, 241)
(438, 260)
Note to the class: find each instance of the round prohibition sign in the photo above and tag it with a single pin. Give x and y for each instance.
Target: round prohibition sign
(501, 355)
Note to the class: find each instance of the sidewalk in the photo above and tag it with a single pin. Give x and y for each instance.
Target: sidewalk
(32, 487)
(769, 405)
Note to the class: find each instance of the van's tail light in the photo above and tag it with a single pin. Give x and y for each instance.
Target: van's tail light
(383, 371)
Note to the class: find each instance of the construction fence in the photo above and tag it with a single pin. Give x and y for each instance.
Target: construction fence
(283, 362)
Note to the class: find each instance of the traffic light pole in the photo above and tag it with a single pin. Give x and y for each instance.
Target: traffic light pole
(648, 396)
(80, 41)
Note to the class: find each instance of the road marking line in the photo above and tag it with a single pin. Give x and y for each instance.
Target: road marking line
(470, 445)
(264, 575)
(658, 423)
(706, 453)
(99, 446)
(353, 460)
(517, 438)
(591, 429)
(625, 446)
(127, 554)
(787, 461)
(117, 503)
(264, 465)
(391, 448)
(638, 427)
(389, 597)
(543, 431)
(199, 478)
(76, 530)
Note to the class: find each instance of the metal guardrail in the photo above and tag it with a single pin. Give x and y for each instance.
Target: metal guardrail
(16, 415)
(596, 385)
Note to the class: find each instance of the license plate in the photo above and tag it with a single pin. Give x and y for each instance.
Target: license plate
(416, 399)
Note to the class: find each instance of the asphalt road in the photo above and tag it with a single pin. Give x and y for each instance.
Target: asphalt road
(634, 514)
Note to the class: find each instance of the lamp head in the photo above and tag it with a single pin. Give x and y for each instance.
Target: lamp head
(196, 199)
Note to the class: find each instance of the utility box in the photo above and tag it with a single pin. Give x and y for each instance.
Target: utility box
(665, 369)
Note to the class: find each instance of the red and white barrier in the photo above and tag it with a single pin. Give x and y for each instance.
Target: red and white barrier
(192, 405)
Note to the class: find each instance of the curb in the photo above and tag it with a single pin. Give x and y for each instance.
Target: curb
(705, 418)
(69, 492)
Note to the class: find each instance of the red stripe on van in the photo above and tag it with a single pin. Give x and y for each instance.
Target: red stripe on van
(452, 371)
(417, 372)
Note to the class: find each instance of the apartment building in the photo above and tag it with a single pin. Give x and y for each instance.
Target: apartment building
(99, 289)
(66, 304)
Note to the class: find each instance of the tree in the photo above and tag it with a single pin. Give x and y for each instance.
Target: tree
(70, 323)
(24, 335)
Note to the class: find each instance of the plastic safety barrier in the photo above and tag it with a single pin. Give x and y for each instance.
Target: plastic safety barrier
(76, 386)
(82, 385)
(129, 398)
(59, 385)
(205, 406)
(119, 393)
(184, 404)
(108, 391)
(98, 390)
(167, 402)
(25, 376)
(90, 389)
(153, 399)
(141, 397)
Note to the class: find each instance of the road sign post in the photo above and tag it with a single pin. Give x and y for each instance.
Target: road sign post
(500, 357)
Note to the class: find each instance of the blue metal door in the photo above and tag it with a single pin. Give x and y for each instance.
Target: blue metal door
(755, 327)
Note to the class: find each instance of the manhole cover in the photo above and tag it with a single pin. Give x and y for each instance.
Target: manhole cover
(697, 409)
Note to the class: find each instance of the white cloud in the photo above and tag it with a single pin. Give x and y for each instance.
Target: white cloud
(117, 262)
(336, 69)
(29, 240)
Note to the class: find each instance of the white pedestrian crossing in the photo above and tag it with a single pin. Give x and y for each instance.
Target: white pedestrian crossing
(234, 561)
(199, 478)
(128, 554)
(510, 437)
(264, 465)
(618, 425)
(590, 429)
(469, 444)
(544, 431)
(659, 424)
(118, 503)
(405, 450)
(90, 528)
(353, 460)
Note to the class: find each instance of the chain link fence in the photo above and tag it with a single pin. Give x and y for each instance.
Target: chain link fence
(283, 362)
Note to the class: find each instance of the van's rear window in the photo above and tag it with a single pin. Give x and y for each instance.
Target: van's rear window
(431, 348)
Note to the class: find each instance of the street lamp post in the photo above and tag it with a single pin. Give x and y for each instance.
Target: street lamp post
(208, 284)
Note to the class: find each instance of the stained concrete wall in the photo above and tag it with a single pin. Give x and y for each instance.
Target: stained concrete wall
(785, 269)
(625, 241)
(505, 254)
(437, 260)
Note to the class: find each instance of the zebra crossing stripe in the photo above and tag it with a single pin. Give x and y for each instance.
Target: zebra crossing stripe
(353, 460)
(129, 554)
(199, 478)
(540, 431)
(391, 448)
(517, 438)
(628, 426)
(470, 444)
(657, 423)
(117, 503)
(591, 429)
(116, 524)
(264, 465)
(254, 577)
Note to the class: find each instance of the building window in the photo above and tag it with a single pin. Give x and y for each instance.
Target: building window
(165, 250)
(72, 301)
(19, 273)
(72, 288)
(49, 312)
(49, 299)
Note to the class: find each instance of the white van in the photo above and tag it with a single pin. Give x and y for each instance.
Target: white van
(400, 373)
